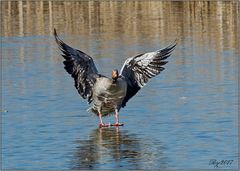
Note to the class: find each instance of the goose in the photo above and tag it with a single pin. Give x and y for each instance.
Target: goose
(109, 95)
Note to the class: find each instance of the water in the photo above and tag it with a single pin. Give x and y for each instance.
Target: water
(181, 120)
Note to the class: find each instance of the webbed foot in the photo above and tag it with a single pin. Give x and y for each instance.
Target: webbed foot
(104, 125)
(117, 124)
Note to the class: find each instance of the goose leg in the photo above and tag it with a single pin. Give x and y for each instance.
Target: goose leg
(101, 124)
(117, 120)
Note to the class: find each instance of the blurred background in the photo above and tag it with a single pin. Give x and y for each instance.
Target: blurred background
(181, 119)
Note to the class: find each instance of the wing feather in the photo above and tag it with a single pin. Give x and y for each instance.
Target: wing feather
(139, 69)
(80, 66)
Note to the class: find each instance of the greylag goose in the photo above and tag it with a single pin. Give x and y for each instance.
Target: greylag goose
(109, 95)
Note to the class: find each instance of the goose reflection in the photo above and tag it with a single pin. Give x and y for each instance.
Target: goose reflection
(111, 148)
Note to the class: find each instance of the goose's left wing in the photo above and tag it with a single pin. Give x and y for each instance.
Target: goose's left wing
(139, 69)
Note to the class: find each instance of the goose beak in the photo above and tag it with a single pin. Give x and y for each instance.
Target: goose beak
(115, 75)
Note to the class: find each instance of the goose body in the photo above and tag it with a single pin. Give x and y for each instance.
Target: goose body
(109, 95)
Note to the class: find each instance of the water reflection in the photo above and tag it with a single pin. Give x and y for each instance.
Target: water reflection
(112, 148)
(198, 20)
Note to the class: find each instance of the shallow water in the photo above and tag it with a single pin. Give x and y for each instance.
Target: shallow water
(181, 120)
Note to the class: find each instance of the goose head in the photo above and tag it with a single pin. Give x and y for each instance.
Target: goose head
(115, 75)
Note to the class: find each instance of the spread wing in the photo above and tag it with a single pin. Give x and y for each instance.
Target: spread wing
(139, 69)
(80, 66)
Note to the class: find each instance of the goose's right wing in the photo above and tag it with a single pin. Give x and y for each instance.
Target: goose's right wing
(80, 66)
